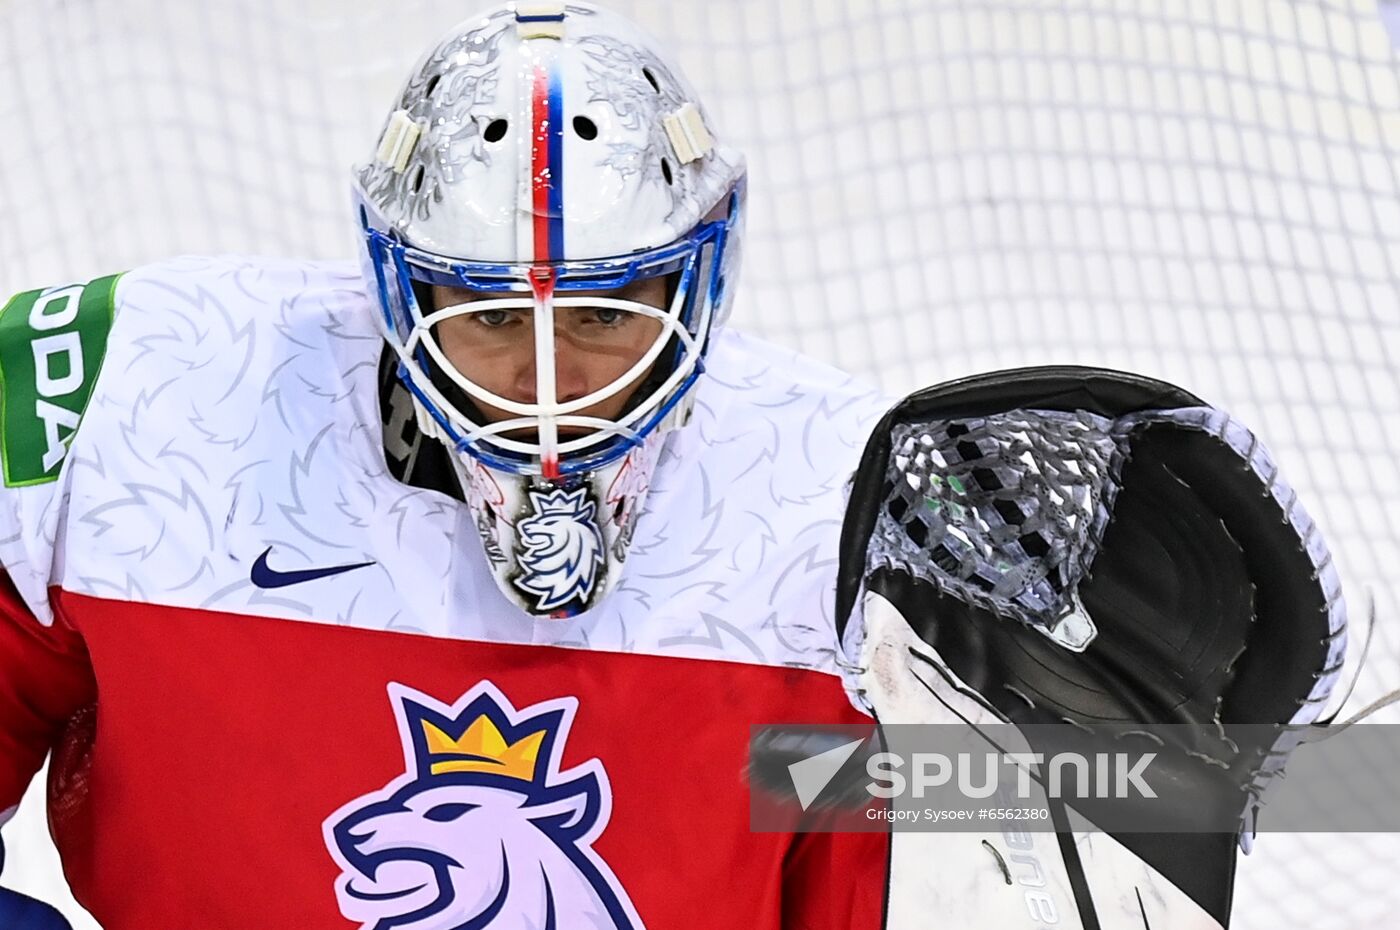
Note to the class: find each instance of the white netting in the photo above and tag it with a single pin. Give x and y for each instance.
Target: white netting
(1201, 190)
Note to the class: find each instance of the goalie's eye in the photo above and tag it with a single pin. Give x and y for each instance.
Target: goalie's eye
(497, 319)
(446, 813)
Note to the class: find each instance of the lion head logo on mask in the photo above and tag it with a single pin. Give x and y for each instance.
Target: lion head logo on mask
(562, 548)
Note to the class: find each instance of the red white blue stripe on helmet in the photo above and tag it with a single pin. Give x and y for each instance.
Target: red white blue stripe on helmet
(547, 165)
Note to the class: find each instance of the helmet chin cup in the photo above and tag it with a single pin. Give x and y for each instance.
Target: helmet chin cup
(556, 546)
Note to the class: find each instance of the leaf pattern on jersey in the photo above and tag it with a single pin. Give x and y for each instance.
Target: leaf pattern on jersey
(200, 461)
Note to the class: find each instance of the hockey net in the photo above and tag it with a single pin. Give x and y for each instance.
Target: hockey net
(1204, 191)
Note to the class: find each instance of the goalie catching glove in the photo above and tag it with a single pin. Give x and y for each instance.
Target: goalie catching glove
(1078, 545)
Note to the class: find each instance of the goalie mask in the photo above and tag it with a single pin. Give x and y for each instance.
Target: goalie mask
(553, 234)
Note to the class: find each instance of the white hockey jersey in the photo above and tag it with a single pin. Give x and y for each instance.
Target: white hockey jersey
(286, 691)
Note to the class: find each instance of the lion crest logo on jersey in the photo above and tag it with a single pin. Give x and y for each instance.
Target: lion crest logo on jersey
(483, 829)
(561, 548)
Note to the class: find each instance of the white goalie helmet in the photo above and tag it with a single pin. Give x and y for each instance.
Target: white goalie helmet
(549, 184)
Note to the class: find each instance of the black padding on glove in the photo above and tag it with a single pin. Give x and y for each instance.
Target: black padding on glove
(1169, 579)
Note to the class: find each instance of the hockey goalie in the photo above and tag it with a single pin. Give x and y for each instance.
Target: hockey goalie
(441, 590)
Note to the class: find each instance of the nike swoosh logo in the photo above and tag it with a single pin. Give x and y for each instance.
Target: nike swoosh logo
(265, 577)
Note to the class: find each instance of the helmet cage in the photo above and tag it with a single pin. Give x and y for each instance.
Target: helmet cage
(676, 356)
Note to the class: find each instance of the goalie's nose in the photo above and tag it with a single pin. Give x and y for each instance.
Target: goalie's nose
(571, 375)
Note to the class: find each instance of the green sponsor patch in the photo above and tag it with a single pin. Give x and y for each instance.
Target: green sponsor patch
(51, 348)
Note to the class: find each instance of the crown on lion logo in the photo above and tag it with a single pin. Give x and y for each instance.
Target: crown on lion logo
(481, 740)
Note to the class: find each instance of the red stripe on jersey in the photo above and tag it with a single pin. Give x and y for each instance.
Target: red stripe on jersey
(221, 752)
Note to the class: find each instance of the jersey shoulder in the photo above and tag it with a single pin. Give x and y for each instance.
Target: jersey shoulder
(755, 384)
(106, 374)
(53, 341)
(739, 540)
(159, 322)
